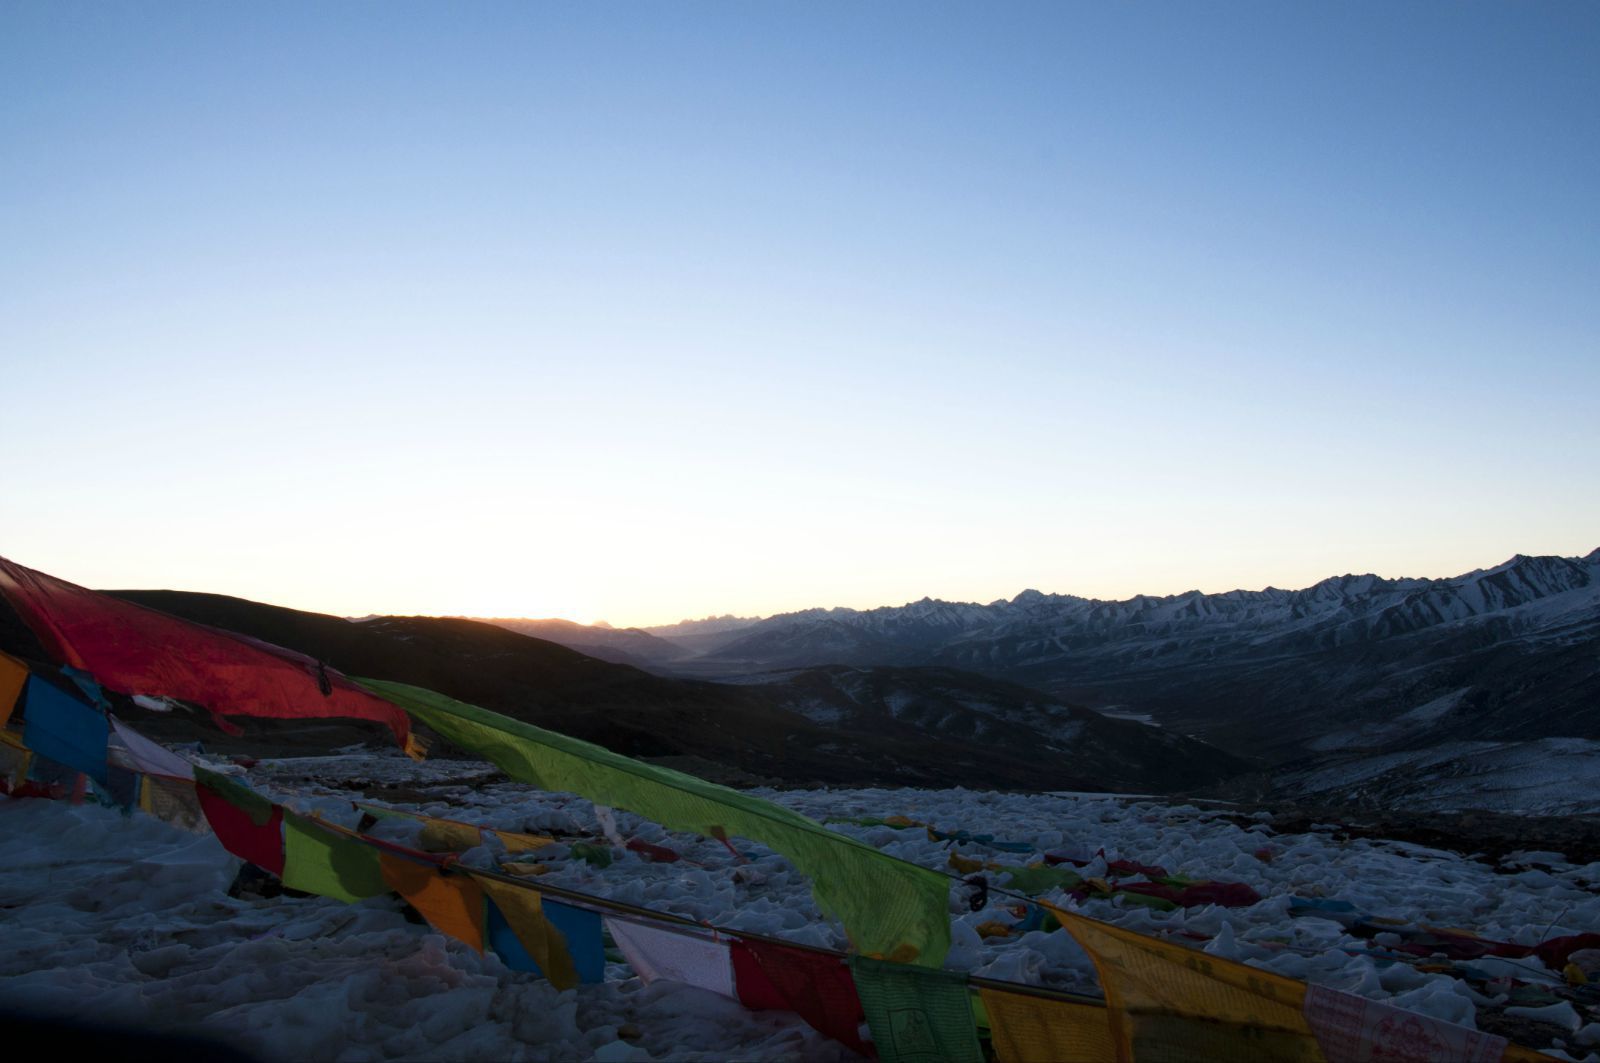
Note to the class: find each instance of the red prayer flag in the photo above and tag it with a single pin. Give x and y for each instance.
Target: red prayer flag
(240, 834)
(137, 650)
(817, 987)
(657, 854)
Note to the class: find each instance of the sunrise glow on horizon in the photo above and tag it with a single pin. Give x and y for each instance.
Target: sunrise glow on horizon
(641, 314)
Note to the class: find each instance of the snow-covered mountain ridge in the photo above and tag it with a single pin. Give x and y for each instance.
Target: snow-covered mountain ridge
(1332, 612)
(1353, 660)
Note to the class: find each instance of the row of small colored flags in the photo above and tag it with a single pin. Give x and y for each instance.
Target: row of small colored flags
(1162, 1000)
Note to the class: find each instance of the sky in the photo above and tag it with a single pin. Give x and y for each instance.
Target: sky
(647, 311)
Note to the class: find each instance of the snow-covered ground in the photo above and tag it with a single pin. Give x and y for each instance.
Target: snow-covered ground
(123, 917)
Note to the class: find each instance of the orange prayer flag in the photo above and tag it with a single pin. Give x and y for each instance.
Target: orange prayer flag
(524, 913)
(414, 747)
(1029, 1029)
(452, 904)
(13, 673)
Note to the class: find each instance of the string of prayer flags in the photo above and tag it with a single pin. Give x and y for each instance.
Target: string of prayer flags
(449, 835)
(330, 863)
(64, 729)
(657, 952)
(1163, 1001)
(1029, 1029)
(452, 904)
(816, 986)
(247, 824)
(523, 937)
(13, 674)
(916, 1015)
(143, 651)
(890, 908)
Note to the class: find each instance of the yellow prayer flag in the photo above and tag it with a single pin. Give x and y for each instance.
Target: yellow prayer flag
(452, 904)
(965, 864)
(524, 870)
(173, 801)
(521, 843)
(524, 913)
(1030, 1029)
(1167, 1002)
(448, 836)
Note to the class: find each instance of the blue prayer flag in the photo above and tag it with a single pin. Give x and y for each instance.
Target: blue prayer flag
(579, 926)
(64, 729)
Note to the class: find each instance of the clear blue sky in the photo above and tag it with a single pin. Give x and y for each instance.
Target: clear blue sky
(644, 311)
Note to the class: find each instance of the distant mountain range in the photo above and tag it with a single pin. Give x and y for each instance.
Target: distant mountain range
(1353, 664)
(1358, 690)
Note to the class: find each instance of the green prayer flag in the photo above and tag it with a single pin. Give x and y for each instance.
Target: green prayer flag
(889, 907)
(916, 1015)
(589, 853)
(1160, 904)
(317, 860)
(1036, 880)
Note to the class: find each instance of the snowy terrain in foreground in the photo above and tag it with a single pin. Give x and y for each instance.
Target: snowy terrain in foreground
(125, 918)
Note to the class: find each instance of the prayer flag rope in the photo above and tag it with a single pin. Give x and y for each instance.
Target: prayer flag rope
(1162, 1001)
